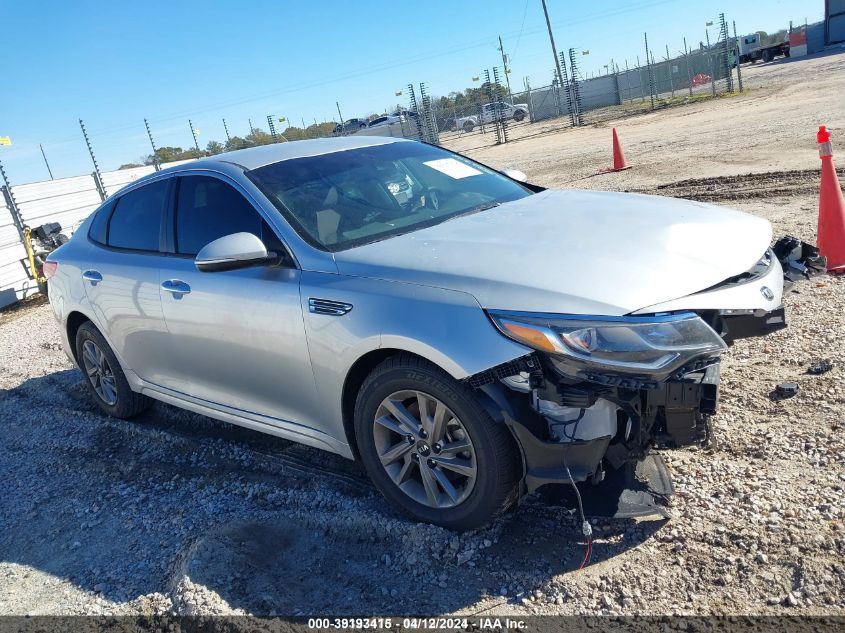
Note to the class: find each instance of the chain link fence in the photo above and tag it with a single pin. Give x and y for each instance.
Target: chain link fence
(663, 81)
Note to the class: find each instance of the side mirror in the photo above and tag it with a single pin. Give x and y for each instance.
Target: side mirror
(515, 174)
(230, 252)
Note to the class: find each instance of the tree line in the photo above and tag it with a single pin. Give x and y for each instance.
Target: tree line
(255, 138)
(468, 97)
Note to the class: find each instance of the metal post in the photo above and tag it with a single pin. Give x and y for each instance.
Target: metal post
(712, 65)
(272, 128)
(648, 70)
(689, 71)
(725, 34)
(574, 87)
(194, 134)
(152, 143)
(669, 68)
(628, 79)
(642, 83)
(736, 52)
(98, 178)
(11, 203)
(49, 171)
(574, 114)
(226, 129)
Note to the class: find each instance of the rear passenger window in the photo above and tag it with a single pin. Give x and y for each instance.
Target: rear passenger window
(136, 220)
(207, 209)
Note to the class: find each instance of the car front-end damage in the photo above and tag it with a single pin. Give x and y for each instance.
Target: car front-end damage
(598, 393)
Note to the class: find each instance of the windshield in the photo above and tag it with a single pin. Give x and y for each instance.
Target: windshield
(354, 197)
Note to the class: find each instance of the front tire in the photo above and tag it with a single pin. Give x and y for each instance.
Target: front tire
(430, 447)
(468, 126)
(518, 116)
(104, 378)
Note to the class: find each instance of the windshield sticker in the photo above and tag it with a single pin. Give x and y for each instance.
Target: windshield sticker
(452, 168)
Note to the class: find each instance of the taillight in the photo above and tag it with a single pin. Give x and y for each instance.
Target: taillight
(50, 268)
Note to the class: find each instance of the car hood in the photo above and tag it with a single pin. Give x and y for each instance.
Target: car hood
(573, 251)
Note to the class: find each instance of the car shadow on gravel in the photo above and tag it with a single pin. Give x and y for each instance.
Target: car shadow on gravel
(297, 567)
(173, 501)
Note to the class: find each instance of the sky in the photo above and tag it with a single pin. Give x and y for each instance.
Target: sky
(115, 63)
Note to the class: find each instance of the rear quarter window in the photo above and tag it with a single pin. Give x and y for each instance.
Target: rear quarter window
(136, 220)
(98, 232)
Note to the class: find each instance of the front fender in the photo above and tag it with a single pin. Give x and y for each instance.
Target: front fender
(446, 327)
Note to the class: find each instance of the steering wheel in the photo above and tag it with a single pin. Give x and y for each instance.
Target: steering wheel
(432, 198)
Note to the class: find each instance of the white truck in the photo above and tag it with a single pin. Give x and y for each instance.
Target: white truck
(492, 112)
(750, 49)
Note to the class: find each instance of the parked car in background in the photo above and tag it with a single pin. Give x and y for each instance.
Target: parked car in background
(351, 126)
(701, 79)
(491, 112)
(387, 119)
(467, 335)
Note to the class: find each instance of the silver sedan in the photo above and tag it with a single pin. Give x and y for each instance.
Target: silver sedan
(467, 335)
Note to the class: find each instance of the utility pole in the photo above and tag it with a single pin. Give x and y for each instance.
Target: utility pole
(505, 64)
(226, 129)
(155, 156)
(194, 134)
(49, 171)
(552, 41)
(251, 129)
(340, 115)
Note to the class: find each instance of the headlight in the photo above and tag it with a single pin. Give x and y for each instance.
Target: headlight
(651, 345)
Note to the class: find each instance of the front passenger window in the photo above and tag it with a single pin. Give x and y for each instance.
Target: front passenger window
(207, 209)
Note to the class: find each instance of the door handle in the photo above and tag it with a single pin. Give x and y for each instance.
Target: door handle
(92, 275)
(175, 287)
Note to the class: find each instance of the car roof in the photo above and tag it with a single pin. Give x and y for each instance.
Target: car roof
(254, 157)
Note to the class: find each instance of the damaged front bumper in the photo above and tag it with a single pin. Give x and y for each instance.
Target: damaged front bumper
(572, 430)
(576, 422)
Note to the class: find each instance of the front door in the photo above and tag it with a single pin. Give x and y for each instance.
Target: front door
(237, 337)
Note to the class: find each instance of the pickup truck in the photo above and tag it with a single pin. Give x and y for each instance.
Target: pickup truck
(491, 112)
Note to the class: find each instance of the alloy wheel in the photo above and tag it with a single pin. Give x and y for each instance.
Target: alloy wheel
(425, 449)
(99, 372)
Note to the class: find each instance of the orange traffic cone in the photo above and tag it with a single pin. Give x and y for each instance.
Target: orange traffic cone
(619, 162)
(831, 233)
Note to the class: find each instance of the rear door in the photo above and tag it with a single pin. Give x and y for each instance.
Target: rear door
(121, 278)
(237, 338)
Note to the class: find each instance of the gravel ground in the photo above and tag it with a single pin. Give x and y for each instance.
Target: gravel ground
(175, 512)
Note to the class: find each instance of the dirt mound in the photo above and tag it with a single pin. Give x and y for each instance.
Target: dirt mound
(773, 184)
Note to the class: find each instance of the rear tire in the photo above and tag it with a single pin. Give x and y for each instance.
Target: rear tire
(767, 56)
(104, 378)
(468, 126)
(518, 116)
(401, 456)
